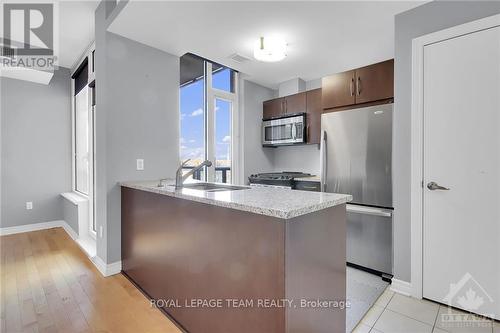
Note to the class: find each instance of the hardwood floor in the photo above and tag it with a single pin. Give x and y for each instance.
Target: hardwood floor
(49, 285)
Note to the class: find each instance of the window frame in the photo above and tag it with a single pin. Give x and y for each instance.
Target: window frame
(210, 95)
(91, 189)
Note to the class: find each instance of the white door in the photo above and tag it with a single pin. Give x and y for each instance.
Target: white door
(461, 226)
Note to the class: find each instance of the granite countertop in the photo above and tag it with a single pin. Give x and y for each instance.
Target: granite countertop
(275, 202)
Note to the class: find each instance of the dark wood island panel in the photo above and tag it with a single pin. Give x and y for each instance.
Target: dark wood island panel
(181, 250)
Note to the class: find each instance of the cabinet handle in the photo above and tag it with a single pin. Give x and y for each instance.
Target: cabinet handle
(351, 87)
(286, 106)
(359, 85)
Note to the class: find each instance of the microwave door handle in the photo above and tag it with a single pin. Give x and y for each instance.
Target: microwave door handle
(264, 139)
(294, 131)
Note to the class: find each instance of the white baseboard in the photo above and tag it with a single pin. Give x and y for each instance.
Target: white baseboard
(104, 269)
(401, 287)
(31, 227)
(72, 233)
(107, 269)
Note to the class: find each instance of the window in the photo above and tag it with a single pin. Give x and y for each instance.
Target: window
(223, 78)
(81, 129)
(223, 139)
(208, 99)
(83, 92)
(82, 148)
(192, 115)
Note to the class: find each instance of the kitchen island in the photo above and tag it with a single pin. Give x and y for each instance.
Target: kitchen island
(249, 260)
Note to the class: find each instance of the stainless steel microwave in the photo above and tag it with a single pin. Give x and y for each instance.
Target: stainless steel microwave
(286, 130)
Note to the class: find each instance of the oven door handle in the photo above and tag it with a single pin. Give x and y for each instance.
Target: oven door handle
(368, 210)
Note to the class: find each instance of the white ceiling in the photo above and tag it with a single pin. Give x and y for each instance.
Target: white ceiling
(323, 37)
(76, 30)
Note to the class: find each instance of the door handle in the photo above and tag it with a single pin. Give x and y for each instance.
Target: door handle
(359, 85)
(435, 186)
(351, 87)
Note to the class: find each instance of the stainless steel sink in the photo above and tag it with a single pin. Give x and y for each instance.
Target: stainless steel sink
(212, 187)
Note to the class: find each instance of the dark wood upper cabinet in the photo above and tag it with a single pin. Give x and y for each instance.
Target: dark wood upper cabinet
(295, 103)
(375, 82)
(314, 111)
(338, 90)
(273, 108)
(282, 106)
(363, 85)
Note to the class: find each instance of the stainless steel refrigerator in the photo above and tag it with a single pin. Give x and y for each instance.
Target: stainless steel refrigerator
(356, 158)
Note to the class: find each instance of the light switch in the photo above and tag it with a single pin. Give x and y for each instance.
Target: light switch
(29, 205)
(140, 164)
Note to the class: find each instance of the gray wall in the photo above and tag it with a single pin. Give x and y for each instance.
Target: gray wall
(136, 117)
(143, 121)
(291, 87)
(255, 157)
(35, 148)
(428, 18)
(313, 84)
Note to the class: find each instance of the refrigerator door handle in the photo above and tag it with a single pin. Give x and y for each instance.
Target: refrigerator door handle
(323, 162)
(369, 210)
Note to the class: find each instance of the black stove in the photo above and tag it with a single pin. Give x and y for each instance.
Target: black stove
(281, 179)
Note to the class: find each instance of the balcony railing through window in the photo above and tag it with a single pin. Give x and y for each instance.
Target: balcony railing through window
(222, 173)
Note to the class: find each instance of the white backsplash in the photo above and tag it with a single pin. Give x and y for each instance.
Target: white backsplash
(303, 158)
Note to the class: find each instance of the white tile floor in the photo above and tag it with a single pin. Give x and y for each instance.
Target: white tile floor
(395, 313)
(363, 290)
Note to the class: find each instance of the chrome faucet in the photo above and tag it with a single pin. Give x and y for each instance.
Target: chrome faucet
(160, 184)
(180, 178)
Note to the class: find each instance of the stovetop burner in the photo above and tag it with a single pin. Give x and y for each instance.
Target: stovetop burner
(278, 179)
(285, 175)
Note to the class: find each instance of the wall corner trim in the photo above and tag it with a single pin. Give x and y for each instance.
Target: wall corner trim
(401, 287)
(107, 269)
(69, 230)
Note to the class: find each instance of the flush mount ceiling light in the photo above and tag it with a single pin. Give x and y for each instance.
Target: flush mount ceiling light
(270, 49)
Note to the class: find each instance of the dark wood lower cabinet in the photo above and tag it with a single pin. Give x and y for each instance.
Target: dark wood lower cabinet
(187, 253)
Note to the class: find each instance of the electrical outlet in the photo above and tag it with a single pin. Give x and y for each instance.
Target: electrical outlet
(29, 205)
(101, 230)
(140, 164)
